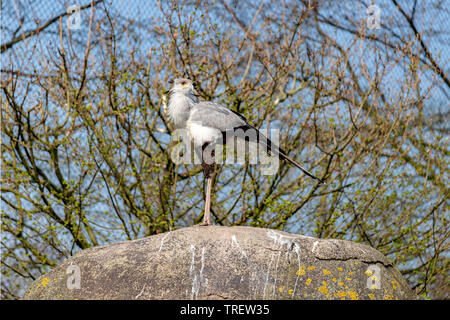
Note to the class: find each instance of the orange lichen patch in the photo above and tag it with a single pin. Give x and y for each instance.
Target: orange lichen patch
(326, 272)
(45, 282)
(348, 279)
(388, 297)
(323, 289)
(301, 271)
(334, 280)
(340, 283)
(308, 282)
(353, 295)
(368, 273)
(339, 268)
(371, 296)
(290, 291)
(311, 268)
(340, 294)
(281, 289)
(394, 284)
(350, 273)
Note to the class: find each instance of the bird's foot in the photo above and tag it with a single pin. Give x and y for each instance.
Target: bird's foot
(204, 223)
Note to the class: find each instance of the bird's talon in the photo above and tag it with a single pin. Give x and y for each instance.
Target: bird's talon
(202, 224)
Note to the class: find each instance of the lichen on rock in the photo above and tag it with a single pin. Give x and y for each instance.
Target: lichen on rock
(217, 262)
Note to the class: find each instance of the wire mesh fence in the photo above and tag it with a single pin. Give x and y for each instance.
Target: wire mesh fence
(358, 90)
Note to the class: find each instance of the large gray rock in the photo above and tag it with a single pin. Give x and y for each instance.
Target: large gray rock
(224, 263)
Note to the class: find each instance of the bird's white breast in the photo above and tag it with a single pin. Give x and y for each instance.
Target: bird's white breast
(201, 134)
(179, 109)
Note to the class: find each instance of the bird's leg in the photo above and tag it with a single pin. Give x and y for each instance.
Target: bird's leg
(207, 215)
(208, 171)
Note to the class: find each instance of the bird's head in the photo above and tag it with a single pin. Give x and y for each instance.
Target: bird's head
(182, 85)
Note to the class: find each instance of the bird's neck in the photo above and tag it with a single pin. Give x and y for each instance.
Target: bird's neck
(179, 106)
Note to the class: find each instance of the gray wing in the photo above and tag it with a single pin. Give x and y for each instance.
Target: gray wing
(213, 115)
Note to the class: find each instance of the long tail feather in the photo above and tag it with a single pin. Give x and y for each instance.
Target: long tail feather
(291, 161)
(271, 147)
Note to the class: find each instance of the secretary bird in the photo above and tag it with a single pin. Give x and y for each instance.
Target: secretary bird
(207, 124)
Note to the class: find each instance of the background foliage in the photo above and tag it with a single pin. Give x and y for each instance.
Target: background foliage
(86, 141)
